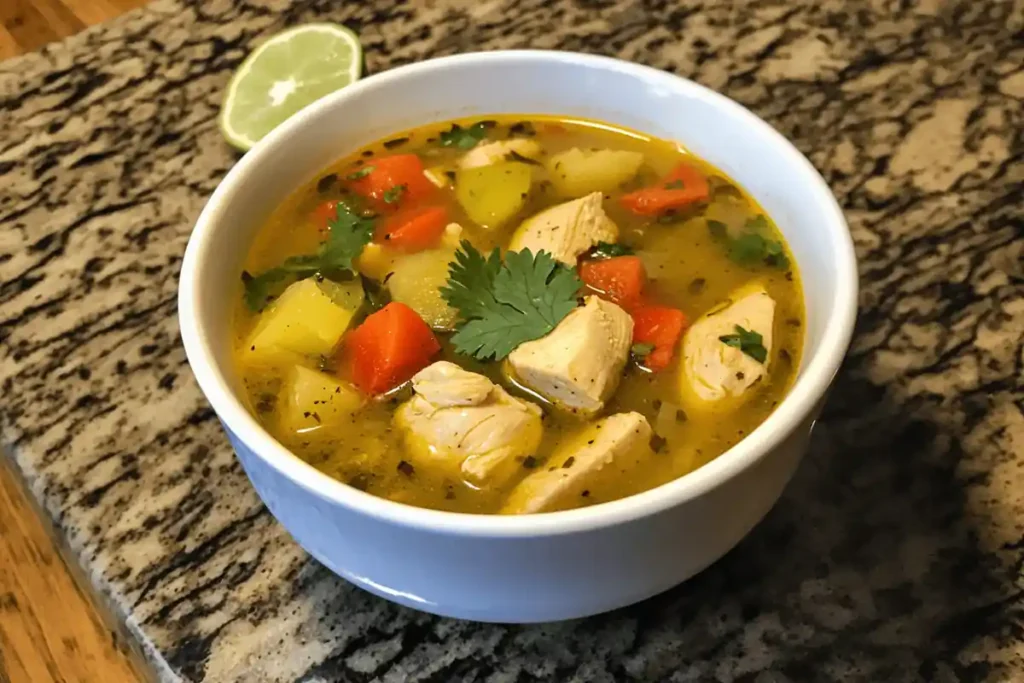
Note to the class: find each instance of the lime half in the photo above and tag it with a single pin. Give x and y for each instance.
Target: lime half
(287, 72)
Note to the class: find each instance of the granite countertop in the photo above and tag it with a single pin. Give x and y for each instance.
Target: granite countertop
(896, 553)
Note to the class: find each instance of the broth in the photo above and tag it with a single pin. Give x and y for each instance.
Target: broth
(694, 261)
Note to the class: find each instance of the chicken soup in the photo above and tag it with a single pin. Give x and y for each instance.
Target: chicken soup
(516, 315)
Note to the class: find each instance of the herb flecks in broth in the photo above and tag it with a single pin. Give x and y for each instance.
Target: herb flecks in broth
(747, 341)
(408, 279)
(463, 138)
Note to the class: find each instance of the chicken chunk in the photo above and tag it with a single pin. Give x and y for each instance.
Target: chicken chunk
(463, 422)
(623, 439)
(577, 365)
(714, 370)
(566, 230)
(493, 152)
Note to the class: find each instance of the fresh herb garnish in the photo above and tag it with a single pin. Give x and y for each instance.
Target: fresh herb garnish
(502, 305)
(361, 173)
(749, 342)
(751, 247)
(718, 230)
(349, 233)
(641, 350)
(393, 194)
(610, 250)
(464, 138)
(674, 185)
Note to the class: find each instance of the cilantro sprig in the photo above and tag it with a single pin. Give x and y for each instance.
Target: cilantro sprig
(749, 342)
(751, 247)
(503, 304)
(349, 233)
(464, 138)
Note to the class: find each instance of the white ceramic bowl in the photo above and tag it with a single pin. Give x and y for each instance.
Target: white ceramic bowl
(535, 567)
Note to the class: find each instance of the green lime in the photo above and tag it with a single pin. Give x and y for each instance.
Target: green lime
(289, 71)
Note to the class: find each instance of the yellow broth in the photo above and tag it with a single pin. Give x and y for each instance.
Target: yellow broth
(687, 268)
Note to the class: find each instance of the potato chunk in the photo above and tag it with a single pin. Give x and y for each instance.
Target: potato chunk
(577, 172)
(492, 195)
(416, 281)
(307, 319)
(312, 400)
(623, 439)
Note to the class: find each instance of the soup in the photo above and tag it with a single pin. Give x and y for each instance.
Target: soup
(516, 315)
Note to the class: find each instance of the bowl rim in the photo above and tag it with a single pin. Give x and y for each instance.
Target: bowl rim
(800, 402)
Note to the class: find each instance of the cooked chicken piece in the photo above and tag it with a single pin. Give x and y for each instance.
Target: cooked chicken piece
(566, 230)
(623, 438)
(446, 385)
(493, 152)
(462, 421)
(578, 364)
(712, 369)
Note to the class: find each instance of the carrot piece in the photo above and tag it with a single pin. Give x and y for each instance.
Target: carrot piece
(413, 229)
(683, 186)
(620, 279)
(661, 327)
(381, 179)
(390, 347)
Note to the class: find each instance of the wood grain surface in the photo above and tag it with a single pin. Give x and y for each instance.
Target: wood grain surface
(50, 631)
(27, 25)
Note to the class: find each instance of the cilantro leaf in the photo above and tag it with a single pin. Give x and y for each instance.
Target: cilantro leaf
(349, 233)
(539, 283)
(361, 173)
(749, 342)
(470, 280)
(751, 247)
(610, 250)
(463, 138)
(641, 350)
(393, 194)
(718, 229)
(502, 305)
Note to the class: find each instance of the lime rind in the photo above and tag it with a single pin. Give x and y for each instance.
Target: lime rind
(289, 71)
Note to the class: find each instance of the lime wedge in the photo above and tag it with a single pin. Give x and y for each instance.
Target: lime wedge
(289, 71)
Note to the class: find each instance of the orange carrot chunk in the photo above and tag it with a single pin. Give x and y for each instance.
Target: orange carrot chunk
(392, 181)
(413, 229)
(390, 347)
(682, 187)
(621, 279)
(661, 327)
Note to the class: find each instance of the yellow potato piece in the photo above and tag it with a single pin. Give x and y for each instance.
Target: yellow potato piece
(307, 319)
(416, 280)
(312, 400)
(492, 195)
(577, 172)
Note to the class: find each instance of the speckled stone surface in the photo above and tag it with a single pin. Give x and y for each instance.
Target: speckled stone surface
(896, 553)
